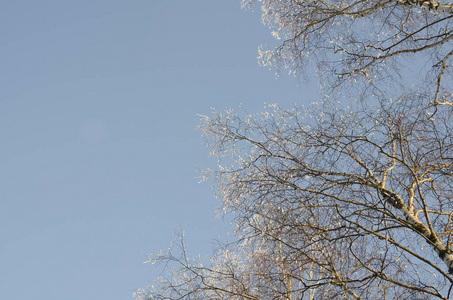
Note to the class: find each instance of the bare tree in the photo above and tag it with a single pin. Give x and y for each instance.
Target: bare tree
(364, 44)
(336, 201)
(329, 202)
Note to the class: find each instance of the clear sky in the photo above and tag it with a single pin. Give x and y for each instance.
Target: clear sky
(99, 156)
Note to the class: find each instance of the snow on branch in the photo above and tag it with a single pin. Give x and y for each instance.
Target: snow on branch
(446, 8)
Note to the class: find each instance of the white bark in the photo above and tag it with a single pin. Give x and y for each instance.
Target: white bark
(444, 253)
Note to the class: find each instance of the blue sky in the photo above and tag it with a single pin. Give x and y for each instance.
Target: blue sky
(99, 155)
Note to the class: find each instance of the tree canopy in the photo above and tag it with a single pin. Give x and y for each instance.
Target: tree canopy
(351, 197)
(364, 44)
